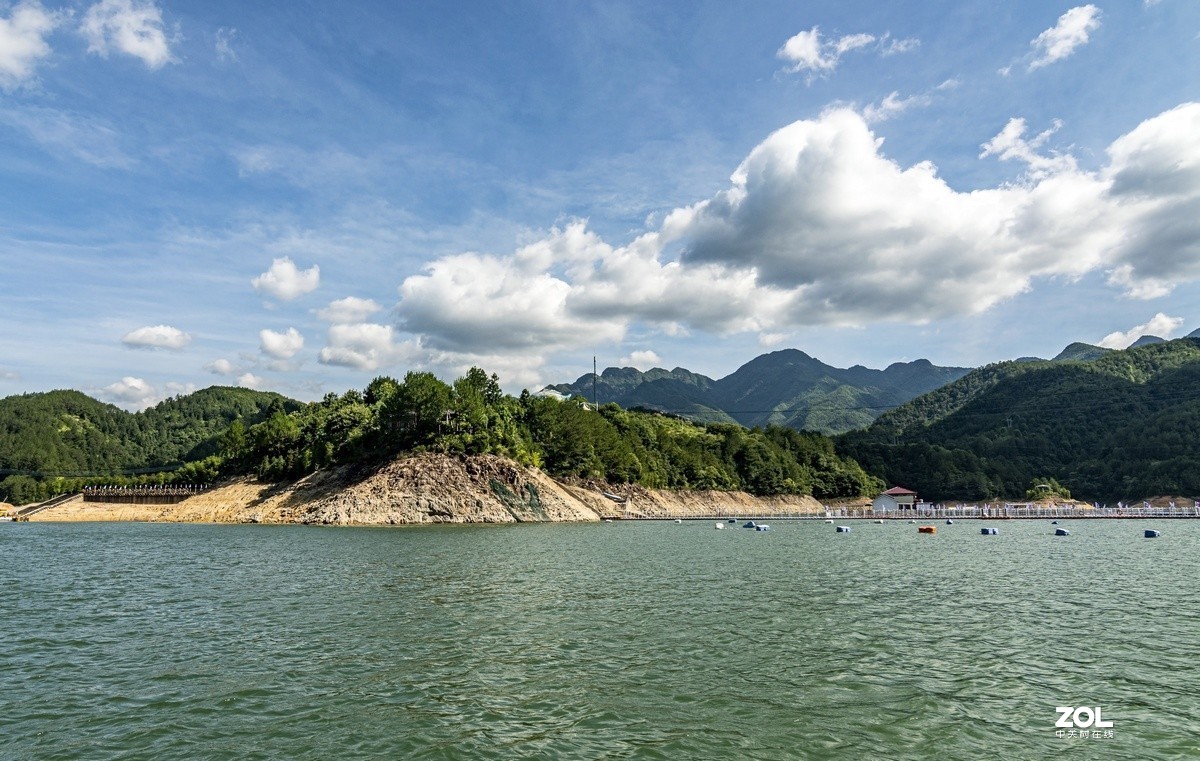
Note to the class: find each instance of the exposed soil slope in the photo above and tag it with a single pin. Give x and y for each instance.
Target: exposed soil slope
(430, 488)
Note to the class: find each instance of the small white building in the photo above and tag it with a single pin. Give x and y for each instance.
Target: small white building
(894, 499)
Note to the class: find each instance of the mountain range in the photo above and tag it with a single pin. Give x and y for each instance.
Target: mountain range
(787, 388)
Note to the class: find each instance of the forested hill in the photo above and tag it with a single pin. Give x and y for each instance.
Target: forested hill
(61, 432)
(787, 388)
(1120, 426)
(226, 432)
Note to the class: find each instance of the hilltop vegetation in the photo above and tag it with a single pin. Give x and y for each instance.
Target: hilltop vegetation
(50, 437)
(1120, 426)
(279, 439)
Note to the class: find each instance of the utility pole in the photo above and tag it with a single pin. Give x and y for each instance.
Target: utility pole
(595, 399)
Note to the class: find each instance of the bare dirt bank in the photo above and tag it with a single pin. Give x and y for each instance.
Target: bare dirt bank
(429, 488)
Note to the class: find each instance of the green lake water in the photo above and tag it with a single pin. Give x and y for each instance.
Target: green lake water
(649, 640)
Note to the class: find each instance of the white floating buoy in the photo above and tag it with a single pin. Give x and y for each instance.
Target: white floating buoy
(718, 524)
(762, 527)
(679, 520)
(829, 521)
(878, 520)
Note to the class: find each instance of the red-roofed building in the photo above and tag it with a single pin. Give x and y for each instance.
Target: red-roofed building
(895, 498)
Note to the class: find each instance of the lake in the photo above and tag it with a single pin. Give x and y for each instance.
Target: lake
(637, 640)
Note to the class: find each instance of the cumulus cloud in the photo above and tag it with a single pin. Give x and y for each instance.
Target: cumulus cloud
(1159, 325)
(285, 281)
(1061, 40)
(819, 227)
(1153, 186)
(222, 367)
(131, 393)
(806, 52)
(250, 380)
(156, 337)
(364, 346)
(477, 303)
(133, 27)
(23, 42)
(349, 309)
(642, 360)
(280, 345)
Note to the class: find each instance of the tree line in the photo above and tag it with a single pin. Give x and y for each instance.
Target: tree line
(278, 439)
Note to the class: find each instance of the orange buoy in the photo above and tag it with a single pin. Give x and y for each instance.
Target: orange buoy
(926, 529)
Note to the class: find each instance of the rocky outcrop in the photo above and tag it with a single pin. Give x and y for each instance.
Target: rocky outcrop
(434, 488)
(431, 488)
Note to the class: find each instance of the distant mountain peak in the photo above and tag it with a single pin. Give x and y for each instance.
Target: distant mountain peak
(1146, 341)
(1081, 351)
(786, 387)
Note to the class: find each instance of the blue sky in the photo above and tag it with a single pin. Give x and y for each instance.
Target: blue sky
(301, 196)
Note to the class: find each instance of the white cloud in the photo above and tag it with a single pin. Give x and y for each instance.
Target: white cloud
(1159, 325)
(475, 303)
(1153, 189)
(156, 337)
(892, 105)
(250, 380)
(222, 367)
(280, 345)
(891, 46)
(807, 52)
(642, 360)
(1060, 41)
(349, 309)
(1010, 144)
(179, 389)
(6, 374)
(131, 393)
(284, 281)
(224, 45)
(819, 227)
(364, 346)
(133, 27)
(23, 42)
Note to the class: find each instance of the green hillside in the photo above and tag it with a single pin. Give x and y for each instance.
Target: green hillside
(68, 433)
(1116, 427)
(49, 439)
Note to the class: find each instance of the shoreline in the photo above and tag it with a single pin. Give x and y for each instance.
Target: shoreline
(430, 489)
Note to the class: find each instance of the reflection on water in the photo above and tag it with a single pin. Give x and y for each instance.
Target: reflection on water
(646, 640)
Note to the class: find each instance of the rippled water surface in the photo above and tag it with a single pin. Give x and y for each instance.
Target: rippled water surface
(622, 640)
